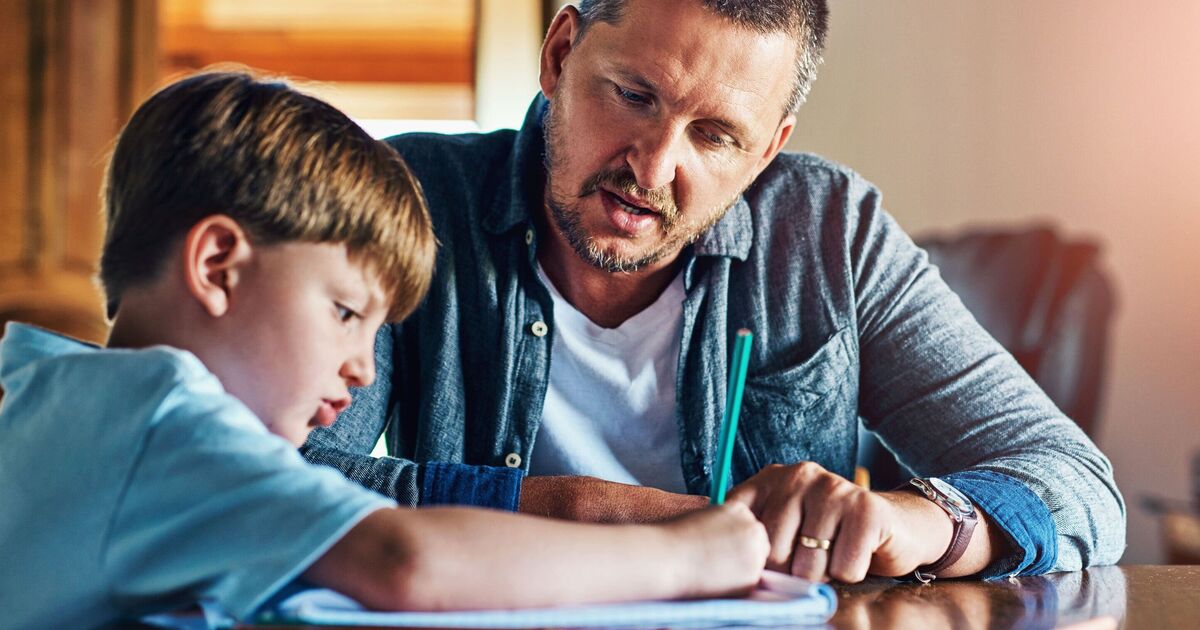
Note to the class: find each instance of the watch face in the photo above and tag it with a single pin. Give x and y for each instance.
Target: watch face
(952, 496)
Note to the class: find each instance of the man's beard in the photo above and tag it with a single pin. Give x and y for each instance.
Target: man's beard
(567, 212)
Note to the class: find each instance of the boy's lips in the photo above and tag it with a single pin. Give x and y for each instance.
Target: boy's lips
(328, 410)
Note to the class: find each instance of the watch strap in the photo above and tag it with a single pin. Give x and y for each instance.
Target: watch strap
(959, 541)
(960, 537)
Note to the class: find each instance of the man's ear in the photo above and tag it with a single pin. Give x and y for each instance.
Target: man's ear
(559, 40)
(782, 133)
(215, 253)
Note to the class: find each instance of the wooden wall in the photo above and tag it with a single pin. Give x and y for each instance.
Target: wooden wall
(70, 73)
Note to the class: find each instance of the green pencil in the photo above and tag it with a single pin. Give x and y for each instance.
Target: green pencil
(733, 408)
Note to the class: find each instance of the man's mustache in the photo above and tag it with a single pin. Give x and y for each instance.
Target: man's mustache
(660, 200)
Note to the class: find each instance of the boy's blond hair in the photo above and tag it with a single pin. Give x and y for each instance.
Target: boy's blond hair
(284, 165)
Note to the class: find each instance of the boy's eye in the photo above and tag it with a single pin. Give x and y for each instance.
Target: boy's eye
(345, 314)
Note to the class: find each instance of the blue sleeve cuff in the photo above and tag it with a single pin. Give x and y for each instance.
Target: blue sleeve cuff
(478, 486)
(1019, 513)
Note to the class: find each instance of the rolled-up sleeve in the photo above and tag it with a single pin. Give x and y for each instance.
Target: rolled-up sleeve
(1019, 513)
(479, 486)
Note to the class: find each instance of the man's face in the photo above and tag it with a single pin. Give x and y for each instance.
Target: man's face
(302, 333)
(656, 125)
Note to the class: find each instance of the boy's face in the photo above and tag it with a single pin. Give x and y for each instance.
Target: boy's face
(300, 331)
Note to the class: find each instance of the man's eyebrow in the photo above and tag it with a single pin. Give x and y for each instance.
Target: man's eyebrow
(733, 128)
(637, 80)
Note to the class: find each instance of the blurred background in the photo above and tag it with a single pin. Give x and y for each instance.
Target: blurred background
(1080, 119)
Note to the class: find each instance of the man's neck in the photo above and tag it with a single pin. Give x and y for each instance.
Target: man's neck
(606, 298)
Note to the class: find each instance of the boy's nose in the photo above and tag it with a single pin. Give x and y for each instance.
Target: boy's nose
(359, 370)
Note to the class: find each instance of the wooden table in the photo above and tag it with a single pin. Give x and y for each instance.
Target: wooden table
(1133, 596)
(1165, 597)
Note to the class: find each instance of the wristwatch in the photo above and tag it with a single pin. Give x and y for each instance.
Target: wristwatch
(960, 510)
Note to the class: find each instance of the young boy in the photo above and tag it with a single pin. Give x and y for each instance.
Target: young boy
(256, 241)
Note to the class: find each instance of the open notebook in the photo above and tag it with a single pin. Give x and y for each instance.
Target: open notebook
(780, 600)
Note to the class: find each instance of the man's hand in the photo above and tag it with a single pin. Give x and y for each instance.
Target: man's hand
(888, 534)
(598, 501)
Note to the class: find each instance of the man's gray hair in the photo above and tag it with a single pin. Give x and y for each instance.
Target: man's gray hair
(806, 20)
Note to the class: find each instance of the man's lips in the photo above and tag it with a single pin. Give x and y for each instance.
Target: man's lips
(627, 220)
(631, 204)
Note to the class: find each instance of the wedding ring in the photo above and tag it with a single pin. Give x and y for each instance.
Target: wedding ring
(814, 543)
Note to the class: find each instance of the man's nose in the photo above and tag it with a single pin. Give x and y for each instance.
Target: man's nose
(653, 158)
(359, 368)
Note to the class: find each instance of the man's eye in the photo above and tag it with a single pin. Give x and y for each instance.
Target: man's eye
(345, 314)
(713, 139)
(630, 96)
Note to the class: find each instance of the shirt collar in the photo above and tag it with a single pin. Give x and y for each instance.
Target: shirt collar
(731, 236)
(522, 192)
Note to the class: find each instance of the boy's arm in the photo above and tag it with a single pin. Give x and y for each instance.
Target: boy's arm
(454, 558)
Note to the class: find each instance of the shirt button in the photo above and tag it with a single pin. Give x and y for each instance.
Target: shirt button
(512, 460)
(529, 236)
(539, 328)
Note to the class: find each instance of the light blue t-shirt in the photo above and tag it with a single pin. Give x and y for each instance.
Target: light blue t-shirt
(131, 483)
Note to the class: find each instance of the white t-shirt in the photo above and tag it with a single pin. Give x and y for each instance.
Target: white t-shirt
(131, 483)
(610, 404)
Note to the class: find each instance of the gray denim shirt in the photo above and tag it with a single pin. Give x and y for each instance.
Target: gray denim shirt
(850, 321)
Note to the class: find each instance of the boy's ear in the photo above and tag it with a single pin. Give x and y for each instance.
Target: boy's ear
(215, 253)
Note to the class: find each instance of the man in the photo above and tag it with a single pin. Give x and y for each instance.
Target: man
(595, 265)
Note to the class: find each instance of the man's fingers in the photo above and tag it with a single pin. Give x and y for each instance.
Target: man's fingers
(818, 530)
(850, 555)
(802, 508)
(744, 494)
(782, 520)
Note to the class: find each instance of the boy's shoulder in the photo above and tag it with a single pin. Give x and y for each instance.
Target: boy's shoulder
(27, 351)
(154, 461)
(47, 374)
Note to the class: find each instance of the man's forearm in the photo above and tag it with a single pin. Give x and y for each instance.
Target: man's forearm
(987, 545)
(595, 500)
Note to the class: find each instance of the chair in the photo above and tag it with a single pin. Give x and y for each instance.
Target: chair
(1045, 299)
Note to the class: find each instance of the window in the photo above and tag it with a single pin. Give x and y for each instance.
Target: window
(391, 65)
